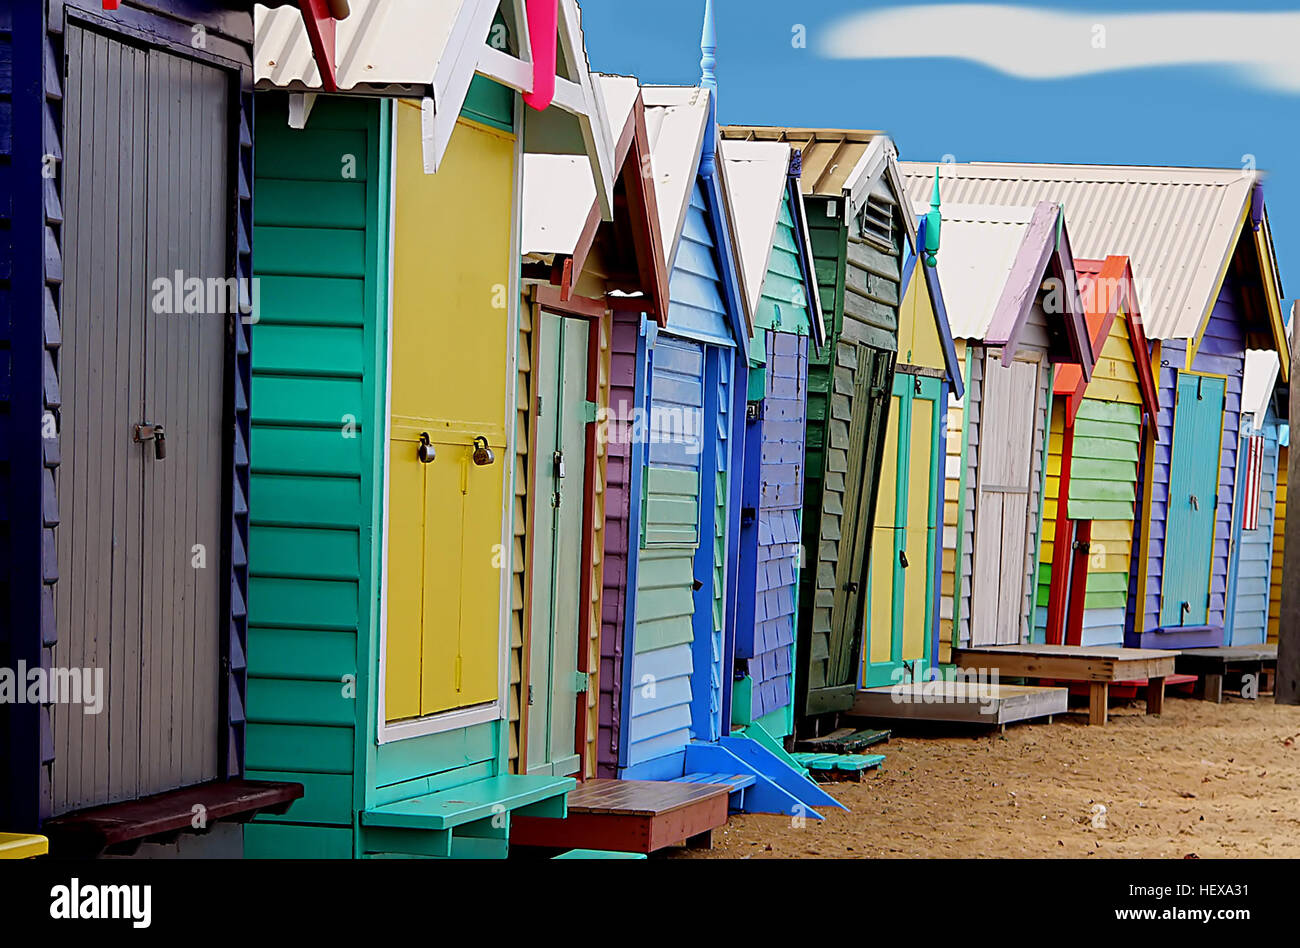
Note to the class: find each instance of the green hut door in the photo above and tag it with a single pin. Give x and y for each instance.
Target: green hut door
(1193, 493)
(866, 433)
(554, 682)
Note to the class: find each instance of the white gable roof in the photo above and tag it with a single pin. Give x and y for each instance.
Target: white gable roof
(979, 247)
(756, 180)
(676, 119)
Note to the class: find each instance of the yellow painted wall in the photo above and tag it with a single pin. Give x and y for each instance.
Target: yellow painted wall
(918, 334)
(951, 511)
(451, 334)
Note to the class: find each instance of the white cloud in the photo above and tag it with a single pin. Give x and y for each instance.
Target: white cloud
(1034, 43)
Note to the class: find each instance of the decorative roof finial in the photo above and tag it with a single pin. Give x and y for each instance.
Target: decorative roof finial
(709, 51)
(933, 223)
(709, 83)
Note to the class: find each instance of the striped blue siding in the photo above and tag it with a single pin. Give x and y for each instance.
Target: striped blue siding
(697, 309)
(1253, 549)
(663, 662)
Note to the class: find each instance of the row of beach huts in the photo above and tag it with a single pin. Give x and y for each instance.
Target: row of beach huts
(440, 449)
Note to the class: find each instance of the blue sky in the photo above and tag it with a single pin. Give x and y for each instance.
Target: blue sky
(1174, 115)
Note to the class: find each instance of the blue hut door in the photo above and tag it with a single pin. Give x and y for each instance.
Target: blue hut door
(1193, 493)
(553, 679)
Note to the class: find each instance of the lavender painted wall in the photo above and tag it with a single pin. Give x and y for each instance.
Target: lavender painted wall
(622, 400)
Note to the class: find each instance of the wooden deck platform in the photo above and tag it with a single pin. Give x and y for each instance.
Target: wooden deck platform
(633, 816)
(960, 702)
(1099, 666)
(1229, 664)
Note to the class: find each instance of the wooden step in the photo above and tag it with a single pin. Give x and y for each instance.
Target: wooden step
(960, 702)
(839, 766)
(846, 740)
(734, 781)
(598, 854)
(636, 816)
(447, 809)
(22, 846)
(121, 827)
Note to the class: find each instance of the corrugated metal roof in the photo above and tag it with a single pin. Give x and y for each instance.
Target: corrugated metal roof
(756, 181)
(979, 244)
(829, 154)
(1178, 226)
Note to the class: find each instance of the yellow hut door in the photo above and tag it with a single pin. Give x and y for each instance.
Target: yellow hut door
(451, 328)
(899, 634)
(554, 682)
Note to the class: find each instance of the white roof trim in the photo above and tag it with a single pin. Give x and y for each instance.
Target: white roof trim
(676, 117)
(880, 157)
(756, 175)
(431, 49)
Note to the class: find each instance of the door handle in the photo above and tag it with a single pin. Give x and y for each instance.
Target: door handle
(902, 559)
(851, 587)
(155, 433)
(1196, 504)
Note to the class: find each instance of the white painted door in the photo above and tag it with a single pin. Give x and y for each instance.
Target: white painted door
(1006, 448)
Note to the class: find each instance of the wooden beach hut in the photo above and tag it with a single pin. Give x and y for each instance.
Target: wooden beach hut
(1090, 498)
(900, 640)
(384, 419)
(583, 277)
(124, 417)
(1265, 432)
(1201, 252)
(861, 223)
(776, 257)
(1015, 316)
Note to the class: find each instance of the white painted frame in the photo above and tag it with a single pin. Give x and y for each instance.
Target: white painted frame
(497, 710)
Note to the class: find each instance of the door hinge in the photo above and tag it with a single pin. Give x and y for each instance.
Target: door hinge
(589, 412)
(530, 696)
(1082, 546)
(580, 682)
(459, 665)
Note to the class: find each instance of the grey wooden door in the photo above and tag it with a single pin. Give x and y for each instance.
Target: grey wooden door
(557, 546)
(1002, 516)
(139, 594)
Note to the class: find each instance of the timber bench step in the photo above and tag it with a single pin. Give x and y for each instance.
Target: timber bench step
(121, 827)
(22, 846)
(852, 766)
(638, 816)
(447, 809)
(844, 741)
(734, 781)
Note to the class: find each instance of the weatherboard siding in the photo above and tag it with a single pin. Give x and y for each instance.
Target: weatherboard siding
(771, 662)
(663, 661)
(1222, 352)
(1253, 551)
(319, 342)
(623, 401)
(1279, 546)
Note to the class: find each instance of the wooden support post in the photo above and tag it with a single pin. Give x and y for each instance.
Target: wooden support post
(701, 841)
(1155, 695)
(1098, 695)
(1287, 688)
(1212, 688)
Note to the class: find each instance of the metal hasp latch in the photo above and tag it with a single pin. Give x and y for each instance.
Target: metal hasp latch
(154, 433)
(1082, 546)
